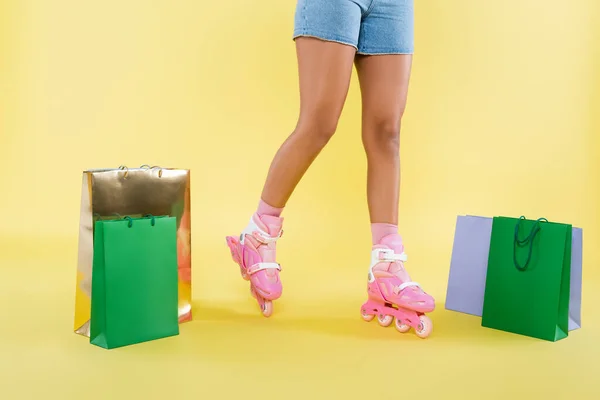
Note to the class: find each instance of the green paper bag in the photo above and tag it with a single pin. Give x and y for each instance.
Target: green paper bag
(134, 281)
(528, 278)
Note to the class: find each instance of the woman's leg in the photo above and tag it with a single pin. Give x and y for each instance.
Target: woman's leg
(384, 87)
(324, 71)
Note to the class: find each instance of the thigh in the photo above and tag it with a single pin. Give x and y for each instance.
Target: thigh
(330, 20)
(388, 28)
(384, 85)
(324, 69)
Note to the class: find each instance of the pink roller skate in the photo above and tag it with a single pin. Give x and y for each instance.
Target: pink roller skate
(393, 294)
(254, 252)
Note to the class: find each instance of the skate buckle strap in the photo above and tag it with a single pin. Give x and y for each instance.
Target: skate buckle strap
(384, 255)
(257, 233)
(262, 266)
(389, 256)
(403, 286)
(265, 238)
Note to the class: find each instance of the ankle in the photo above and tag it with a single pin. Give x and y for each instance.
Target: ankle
(266, 209)
(379, 231)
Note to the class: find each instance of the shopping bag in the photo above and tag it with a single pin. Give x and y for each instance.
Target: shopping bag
(468, 268)
(134, 281)
(527, 287)
(109, 193)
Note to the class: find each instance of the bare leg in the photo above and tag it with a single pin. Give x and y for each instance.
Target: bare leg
(324, 69)
(384, 86)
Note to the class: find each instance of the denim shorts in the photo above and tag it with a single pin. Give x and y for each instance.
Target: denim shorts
(371, 26)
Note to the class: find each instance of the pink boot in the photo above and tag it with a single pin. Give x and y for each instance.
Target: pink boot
(393, 294)
(254, 252)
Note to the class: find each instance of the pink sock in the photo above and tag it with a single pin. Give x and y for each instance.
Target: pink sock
(266, 209)
(380, 230)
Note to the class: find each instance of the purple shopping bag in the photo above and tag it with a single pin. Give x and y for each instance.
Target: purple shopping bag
(468, 268)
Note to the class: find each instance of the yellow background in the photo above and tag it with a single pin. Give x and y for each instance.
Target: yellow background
(503, 119)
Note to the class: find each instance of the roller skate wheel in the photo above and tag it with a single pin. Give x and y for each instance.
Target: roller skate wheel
(425, 327)
(365, 316)
(401, 327)
(385, 320)
(267, 308)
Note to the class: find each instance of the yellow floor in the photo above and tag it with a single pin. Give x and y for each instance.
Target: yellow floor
(315, 344)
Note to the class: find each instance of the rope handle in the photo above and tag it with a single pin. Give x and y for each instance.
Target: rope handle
(527, 241)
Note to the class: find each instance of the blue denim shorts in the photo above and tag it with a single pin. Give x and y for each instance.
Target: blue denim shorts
(371, 26)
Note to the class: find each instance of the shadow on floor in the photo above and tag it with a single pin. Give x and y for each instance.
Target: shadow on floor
(449, 327)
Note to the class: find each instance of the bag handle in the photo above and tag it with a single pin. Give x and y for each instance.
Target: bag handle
(145, 166)
(130, 220)
(528, 240)
(152, 220)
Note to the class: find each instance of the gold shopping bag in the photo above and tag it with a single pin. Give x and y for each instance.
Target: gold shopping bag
(110, 193)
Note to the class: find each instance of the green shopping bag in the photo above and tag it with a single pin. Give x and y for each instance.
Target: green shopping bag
(528, 278)
(134, 281)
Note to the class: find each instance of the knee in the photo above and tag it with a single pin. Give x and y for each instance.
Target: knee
(382, 135)
(320, 126)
